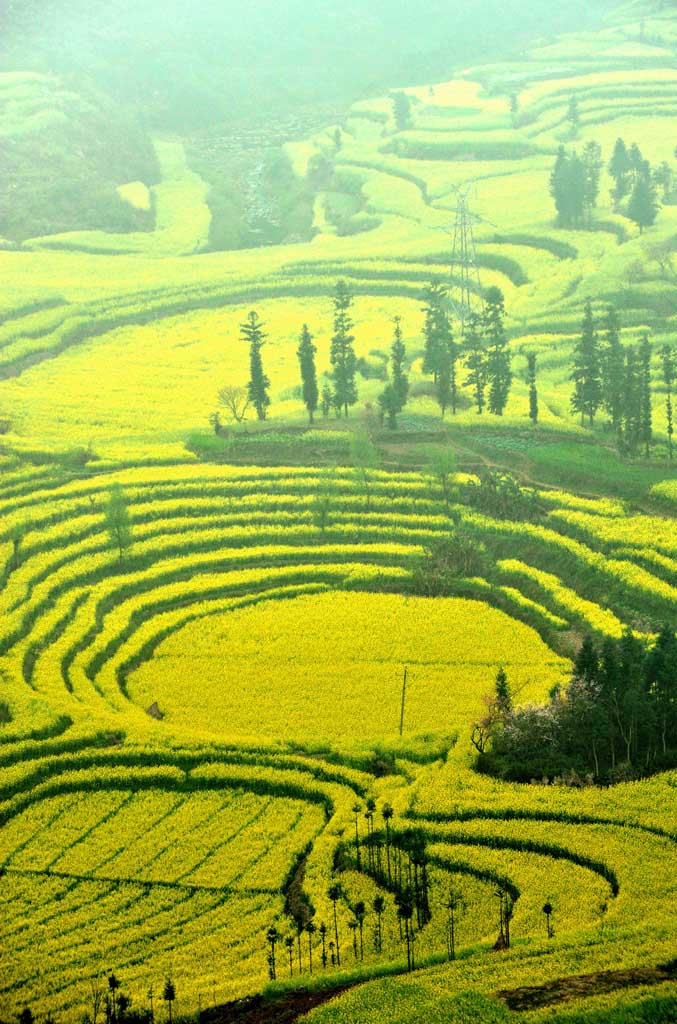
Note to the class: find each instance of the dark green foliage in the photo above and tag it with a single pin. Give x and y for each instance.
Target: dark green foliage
(252, 332)
(326, 399)
(619, 169)
(645, 415)
(398, 374)
(592, 169)
(533, 391)
(498, 368)
(643, 206)
(342, 353)
(306, 356)
(668, 363)
(586, 372)
(574, 116)
(455, 556)
(402, 111)
(476, 361)
(632, 402)
(618, 719)
(441, 352)
(503, 696)
(570, 183)
(436, 327)
(500, 495)
(118, 522)
(365, 458)
(613, 370)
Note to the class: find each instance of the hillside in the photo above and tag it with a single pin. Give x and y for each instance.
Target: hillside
(239, 669)
(65, 153)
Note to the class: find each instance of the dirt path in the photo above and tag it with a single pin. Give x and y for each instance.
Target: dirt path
(288, 1008)
(580, 986)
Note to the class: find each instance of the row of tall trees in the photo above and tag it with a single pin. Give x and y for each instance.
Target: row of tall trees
(483, 350)
(617, 379)
(606, 374)
(109, 1002)
(616, 720)
(398, 861)
(575, 184)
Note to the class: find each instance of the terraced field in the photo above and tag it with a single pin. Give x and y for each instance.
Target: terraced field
(191, 735)
(199, 818)
(81, 303)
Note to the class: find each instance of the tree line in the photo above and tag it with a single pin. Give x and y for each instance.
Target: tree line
(616, 720)
(617, 379)
(575, 184)
(398, 861)
(482, 351)
(110, 1003)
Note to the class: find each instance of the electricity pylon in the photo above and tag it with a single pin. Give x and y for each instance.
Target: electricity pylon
(466, 296)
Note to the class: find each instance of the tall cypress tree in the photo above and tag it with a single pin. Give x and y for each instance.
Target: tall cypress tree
(613, 369)
(476, 361)
(592, 169)
(252, 332)
(632, 403)
(533, 391)
(645, 423)
(306, 356)
(586, 373)
(394, 396)
(570, 184)
(619, 169)
(398, 374)
(342, 353)
(574, 116)
(668, 361)
(499, 373)
(643, 205)
(446, 390)
(436, 328)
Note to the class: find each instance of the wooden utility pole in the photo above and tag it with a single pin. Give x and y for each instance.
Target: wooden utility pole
(404, 698)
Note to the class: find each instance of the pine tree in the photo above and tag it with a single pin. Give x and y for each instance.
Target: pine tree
(668, 361)
(569, 186)
(398, 374)
(586, 374)
(446, 390)
(306, 355)
(118, 522)
(645, 423)
(476, 361)
(394, 396)
(643, 205)
(558, 189)
(632, 402)
(326, 399)
(252, 332)
(613, 369)
(592, 169)
(574, 116)
(533, 392)
(619, 169)
(436, 328)
(342, 353)
(401, 111)
(499, 373)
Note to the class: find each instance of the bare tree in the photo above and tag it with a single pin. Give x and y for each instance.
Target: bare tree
(235, 400)
(662, 252)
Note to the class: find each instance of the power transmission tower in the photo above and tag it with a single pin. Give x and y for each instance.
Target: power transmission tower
(466, 296)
